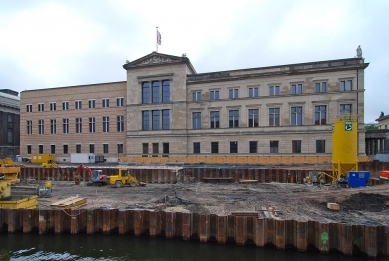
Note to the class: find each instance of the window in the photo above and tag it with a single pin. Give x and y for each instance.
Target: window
(296, 146)
(345, 109)
(28, 149)
(78, 148)
(346, 85)
(214, 95)
(120, 123)
(145, 148)
(214, 147)
(274, 146)
(253, 92)
(41, 107)
(106, 103)
(78, 125)
(296, 116)
(165, 148)
(92, 124)
(321, 87)
(253, 146)
(105, 123)
(40, 149)
(41, 124)
(29, 127)
(91, 148)
(65, 126)
(274, 90)
(156, 98)
(120, 148)
(196, 147)
(53, 126)
(10, 117)
(78, 105)
(29, 108)
(253, 118)
(52, 149)
(145, 92)
(165, 119)
(320, 146)
(10, 136)
(297, 88)
(233, 147)
(166, 91)
(155, 148)
(92, 104)
(196, 120)
(145, 120)
(53, 106)
(321, 115)
(155, 122)
(233, 121)
(274, 116)
(65, 105)
(196, 96)
(120, 101)
(65, 149)
(233, 93)
(215, 119)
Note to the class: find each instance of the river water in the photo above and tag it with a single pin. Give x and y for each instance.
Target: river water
(127, 247)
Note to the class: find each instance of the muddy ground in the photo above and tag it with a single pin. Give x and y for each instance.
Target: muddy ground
(301, 202)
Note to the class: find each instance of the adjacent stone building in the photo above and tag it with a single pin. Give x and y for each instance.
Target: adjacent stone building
(167, 109)
(9, 123)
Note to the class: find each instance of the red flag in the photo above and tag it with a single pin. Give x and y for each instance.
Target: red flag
(158, 38)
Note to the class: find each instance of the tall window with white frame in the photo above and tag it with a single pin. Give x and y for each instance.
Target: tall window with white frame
(105, 103)
(296, 116)
(78, 125)
(145, 120)
(233, 93)
(320, 87)
(274, 90)
(345, 109)
(29, 108)
(92, 124)
(196, 120)
(105, 123)
(92, 104)
(253, 92)
(78, 105)
(155, 122)
(120, 102)
(165, 119)
(120, 123)
(214, 95)
(297, 88)
(65, 124)
(253, 117)
(29, 127)
(53, 106)
(233, 118)
(41, 125)
(321, 115)
(196, 96)
(41, 107)
(65, 105)
(53, 126)
(346, 85)
(166, 91)
(156, 92)
(215, 119)
(274, 116)
(145, 92)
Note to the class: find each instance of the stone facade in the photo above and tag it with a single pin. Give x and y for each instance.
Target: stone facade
(258, 111)
(9, 123)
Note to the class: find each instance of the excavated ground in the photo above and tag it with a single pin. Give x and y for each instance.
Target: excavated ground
(367, 205)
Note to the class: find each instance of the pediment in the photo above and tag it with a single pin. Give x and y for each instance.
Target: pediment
(154, 59)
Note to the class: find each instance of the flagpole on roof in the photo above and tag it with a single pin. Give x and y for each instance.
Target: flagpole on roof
(156, 42)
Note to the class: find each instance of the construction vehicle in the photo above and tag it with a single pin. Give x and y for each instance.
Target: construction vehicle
(96, 176)
(318, 178)
(9, 170)
(124, 178)
(47, 160)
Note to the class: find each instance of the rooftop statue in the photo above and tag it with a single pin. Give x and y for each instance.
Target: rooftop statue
(359, 52)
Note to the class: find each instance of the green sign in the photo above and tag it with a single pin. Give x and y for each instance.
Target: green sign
(348, 126)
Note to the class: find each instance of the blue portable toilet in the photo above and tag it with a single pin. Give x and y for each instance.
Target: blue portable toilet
(352, 178)
(363, 178)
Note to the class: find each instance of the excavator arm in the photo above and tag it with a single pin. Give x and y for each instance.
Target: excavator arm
(82, 167)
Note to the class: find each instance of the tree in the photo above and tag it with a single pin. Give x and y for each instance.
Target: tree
(371, 127)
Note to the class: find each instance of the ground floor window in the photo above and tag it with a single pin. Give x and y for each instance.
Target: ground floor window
(320, 146)
(52, 149)
(145, 148)
(296, 146)
(120, 148)
(196, 147)
(105, 148)
(78, 148)
(233, 147)
(65, 149)
(155, 148)
(215, 147)
(165, 148)
(40, 149)
(28, 149)
(274, 146)
(253, 146)
(91, 148)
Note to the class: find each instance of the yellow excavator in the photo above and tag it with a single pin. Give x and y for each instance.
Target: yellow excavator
(124, 178)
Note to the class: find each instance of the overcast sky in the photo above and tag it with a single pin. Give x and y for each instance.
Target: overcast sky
(46, 44)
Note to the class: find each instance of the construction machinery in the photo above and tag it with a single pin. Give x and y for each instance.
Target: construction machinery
(96, 176)
(47, 160)
(124, 177)
(9, 170)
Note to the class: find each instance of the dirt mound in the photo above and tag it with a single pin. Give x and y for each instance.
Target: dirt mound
(366, 201)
